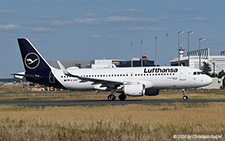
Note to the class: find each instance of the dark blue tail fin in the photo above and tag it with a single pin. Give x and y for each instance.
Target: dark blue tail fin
(37, 68)
(32, 59)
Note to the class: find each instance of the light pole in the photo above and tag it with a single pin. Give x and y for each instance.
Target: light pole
(180, 32)
(131, 54)
(166, 49)
(155, 50)
(190, 32)
(141, 55)
(199, 52)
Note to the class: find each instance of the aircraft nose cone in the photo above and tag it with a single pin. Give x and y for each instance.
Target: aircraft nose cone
(209, 80)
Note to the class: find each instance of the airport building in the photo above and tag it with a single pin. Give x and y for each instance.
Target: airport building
(71, 63)
(217, 63)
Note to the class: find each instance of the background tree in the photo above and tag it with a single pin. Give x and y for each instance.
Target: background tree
(221, 74)
(78, 65)
(213, 75)
(223, 82)
(206, 68)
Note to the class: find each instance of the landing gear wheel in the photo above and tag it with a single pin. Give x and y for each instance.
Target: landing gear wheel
(185, 98)
(122, 97)
(111, 97)
(184, 93)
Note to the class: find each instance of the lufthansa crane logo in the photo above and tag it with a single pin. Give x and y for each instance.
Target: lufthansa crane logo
(32, 60)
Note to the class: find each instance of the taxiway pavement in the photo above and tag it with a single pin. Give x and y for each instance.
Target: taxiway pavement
(96, 102)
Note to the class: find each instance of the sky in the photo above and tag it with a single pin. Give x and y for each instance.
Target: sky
(97, 29)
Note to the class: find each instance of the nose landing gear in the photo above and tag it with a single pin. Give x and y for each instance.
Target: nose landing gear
(184, 95)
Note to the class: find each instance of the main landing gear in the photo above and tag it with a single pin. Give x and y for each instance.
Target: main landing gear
(184, 93)
(112, 97)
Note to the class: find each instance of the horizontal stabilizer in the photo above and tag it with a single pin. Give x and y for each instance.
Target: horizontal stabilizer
(24, 75)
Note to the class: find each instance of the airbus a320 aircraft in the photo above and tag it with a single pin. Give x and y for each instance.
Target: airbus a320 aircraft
(135, 81)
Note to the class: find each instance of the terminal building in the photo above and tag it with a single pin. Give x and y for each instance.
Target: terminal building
(217, 63)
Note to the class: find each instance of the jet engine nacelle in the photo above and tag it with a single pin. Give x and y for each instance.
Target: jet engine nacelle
(152, 92)
(134, 90)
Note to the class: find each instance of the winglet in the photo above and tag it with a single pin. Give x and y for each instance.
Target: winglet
(65, 71)
(63, 68)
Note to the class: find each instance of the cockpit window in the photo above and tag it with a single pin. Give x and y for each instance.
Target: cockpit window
(198, 73)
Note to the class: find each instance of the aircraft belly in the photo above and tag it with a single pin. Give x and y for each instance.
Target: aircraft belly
(163, 83)
(78, 85)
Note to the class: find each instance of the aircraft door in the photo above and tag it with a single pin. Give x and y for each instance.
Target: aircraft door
(182, 74)
(51, 78)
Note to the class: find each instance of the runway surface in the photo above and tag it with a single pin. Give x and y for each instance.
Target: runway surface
(95, 102)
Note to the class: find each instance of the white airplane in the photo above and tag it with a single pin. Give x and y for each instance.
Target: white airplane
(135, 81)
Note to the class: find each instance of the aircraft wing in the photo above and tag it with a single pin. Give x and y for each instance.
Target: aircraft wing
(99, 81)
(105, 82)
